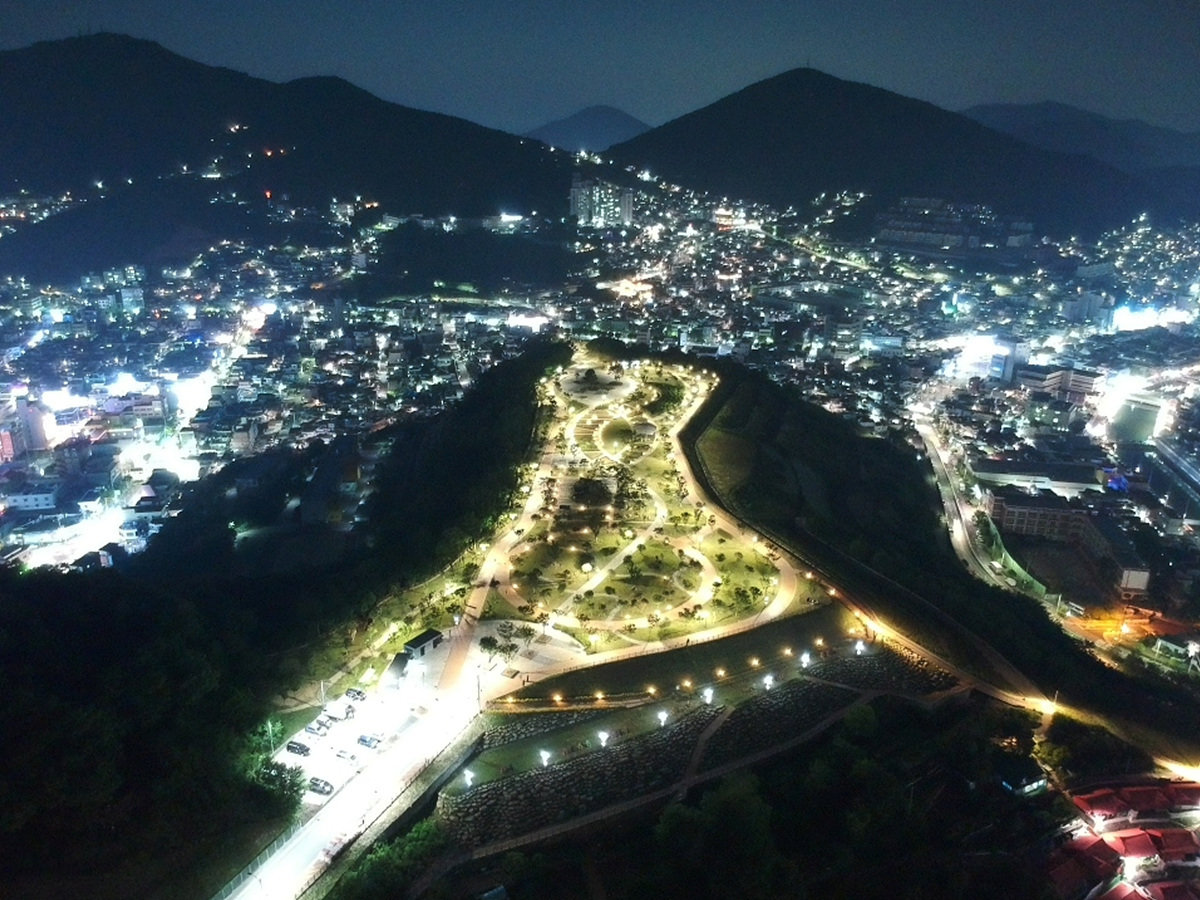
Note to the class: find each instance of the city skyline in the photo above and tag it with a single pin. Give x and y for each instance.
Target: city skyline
(515, 67)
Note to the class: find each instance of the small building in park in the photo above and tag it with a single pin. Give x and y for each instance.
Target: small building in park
(421, 644)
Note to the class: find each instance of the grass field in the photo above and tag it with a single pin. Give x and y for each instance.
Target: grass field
(728, 459)
(700, 663)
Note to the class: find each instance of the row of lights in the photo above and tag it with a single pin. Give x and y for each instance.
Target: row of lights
(720, 672)
(603, 736)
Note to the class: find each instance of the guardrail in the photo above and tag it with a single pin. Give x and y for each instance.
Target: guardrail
(248, 872)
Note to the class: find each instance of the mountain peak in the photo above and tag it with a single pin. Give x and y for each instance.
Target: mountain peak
(594, 128)
(793, 136)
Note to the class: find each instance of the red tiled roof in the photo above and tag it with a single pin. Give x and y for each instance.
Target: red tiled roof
(1100, 860)
(1123, 890)
(1174, 843)
(1171, 890)
(1103, 804)
(1184, 796)
(1145, 798)
(1133, 843)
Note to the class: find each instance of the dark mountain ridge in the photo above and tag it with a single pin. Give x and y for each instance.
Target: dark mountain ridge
(1128, 144)
(595, 128)
(114, 107)
(789, 138)
(108, 108)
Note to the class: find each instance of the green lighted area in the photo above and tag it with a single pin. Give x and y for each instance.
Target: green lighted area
(723, 664)
(638, 695)
(620, 550)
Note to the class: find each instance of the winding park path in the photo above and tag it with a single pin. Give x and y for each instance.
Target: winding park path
(556, 651)
(467, 678)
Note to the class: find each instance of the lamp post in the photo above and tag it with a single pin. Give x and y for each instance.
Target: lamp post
(603, 736)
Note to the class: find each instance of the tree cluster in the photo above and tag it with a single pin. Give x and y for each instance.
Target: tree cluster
(136, 700)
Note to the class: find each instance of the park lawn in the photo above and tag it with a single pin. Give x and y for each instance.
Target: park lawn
(497, 606)
(292, 721)
(656, 556)
(636, 596)
(616, 434)
(700, 661)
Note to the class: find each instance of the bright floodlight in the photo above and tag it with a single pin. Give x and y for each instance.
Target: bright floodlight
(545, 755)
(468, 776)
(662, 717)
(708, 695)
(805, 659)
(768, 681)
(859, 647)
(603, 735)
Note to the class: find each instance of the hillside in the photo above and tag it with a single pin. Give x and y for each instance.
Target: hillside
(109, 109)
(789, 138)
(1126, 144)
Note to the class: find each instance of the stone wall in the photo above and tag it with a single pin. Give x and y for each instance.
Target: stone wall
(773, 717)
(884, 668)
(565, 790)
(504, 728)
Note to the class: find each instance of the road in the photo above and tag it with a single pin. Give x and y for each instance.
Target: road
(364, 788)
(961, 528)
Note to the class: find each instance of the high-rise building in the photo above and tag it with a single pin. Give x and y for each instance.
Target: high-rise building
(598, 204)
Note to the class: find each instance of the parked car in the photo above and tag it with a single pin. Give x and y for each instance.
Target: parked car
(371, 741)
(316, 728)
(337, 711)
(356, 694)
(320, 786)
(347, 756)
(298, 748)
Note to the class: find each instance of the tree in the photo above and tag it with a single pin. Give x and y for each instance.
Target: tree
(284, 784)
(489, 645)
(525, 633)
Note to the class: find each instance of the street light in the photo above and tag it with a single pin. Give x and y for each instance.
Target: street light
(708, 695)
(603, 735)
(545, 755)
(662, 718)
(805, 659)
(468, 777)
(768, 681)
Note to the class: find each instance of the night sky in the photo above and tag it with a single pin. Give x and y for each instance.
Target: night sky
(514, 64)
